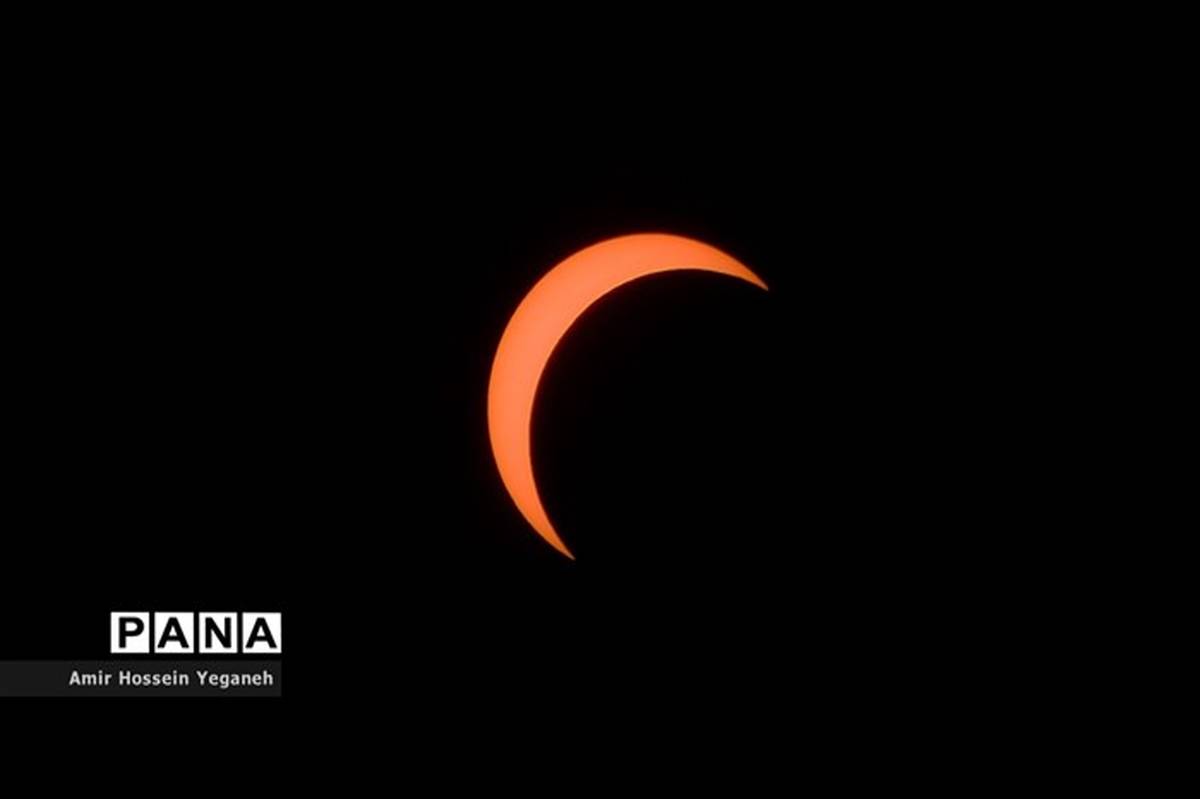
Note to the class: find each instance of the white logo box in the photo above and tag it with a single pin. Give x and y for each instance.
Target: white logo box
(164, 633)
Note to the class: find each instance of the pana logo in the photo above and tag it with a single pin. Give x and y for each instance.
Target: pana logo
(197, 633)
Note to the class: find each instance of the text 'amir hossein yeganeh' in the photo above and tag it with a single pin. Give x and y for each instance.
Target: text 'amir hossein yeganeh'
(204, 678)
(204, 633)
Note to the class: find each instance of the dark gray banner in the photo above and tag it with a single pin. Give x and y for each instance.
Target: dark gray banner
(65, 678)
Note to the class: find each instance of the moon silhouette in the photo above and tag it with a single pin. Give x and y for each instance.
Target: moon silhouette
(540, 322)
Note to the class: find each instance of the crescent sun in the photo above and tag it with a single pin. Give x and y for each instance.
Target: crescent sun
(544, 317)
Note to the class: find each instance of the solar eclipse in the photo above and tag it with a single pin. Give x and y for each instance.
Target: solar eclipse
(542, 319)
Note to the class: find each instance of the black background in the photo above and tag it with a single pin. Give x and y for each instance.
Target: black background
(252, 290)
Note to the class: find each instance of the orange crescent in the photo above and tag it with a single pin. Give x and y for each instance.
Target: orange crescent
(540, 322)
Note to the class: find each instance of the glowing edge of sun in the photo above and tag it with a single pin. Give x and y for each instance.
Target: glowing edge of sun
(541, 321)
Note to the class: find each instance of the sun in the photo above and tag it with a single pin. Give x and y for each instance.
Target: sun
(545, 316)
